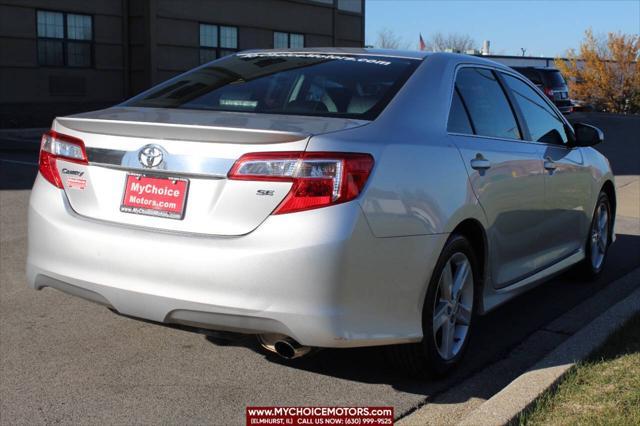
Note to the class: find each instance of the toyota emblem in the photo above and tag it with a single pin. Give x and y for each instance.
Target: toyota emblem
(151, 156)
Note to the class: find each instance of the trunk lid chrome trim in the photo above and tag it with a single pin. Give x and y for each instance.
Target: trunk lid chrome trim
(184, 165)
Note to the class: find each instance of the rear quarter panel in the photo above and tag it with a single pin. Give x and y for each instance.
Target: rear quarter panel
(419, 185)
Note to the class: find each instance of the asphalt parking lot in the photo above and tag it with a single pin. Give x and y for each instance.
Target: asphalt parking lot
(65, 360)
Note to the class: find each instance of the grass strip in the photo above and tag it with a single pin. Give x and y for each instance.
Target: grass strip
(602, 390)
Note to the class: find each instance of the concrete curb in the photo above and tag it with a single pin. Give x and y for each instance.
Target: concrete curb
(506, 405)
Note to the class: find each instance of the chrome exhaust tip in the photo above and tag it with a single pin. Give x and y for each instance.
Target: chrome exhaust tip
(290, 349)
(284, 346)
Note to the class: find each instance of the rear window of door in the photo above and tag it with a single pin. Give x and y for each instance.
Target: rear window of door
(458, 117)
(488, 107)
(543, 122)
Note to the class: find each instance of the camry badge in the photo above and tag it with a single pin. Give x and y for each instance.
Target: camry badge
(151, 156)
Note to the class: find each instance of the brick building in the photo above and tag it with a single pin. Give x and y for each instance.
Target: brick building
(63, 56)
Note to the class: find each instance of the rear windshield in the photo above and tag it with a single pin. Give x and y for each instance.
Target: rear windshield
(531, 74)
(318, 84)
(553, 79)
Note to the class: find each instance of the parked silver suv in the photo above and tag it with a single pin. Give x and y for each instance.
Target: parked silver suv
(322, 198)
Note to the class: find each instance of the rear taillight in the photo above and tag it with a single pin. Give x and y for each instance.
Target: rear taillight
(319, 178)
(549, 92)
(55, 145)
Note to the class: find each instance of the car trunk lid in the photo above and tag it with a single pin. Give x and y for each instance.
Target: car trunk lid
(197, 149)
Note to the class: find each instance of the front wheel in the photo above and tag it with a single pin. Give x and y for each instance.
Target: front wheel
(447, 313)
(599, 238)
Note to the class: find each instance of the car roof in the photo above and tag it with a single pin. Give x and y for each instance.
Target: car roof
(536, 68)
(470, 59)
(391, 53)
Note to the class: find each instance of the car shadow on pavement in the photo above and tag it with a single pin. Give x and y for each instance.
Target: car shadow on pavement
(16, 176)
(494, 357)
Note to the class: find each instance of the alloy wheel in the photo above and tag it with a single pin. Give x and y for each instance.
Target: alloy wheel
(599, 236)
(453, 306)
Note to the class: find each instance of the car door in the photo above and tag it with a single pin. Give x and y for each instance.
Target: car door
(505, 172)
(566, 176)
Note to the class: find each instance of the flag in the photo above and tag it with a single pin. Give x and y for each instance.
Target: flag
(423, 45)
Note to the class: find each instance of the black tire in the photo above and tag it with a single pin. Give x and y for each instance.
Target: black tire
(588, 269)
(423, 359)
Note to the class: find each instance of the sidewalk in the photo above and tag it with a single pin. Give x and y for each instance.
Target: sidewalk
(628, 194)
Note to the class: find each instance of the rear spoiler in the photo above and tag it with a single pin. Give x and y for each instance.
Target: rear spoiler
(190, 132)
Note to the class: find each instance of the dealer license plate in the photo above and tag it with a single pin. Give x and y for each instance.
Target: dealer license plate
(154, 196)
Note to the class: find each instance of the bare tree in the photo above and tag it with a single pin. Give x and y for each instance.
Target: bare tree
(387, 39)
(439, 42)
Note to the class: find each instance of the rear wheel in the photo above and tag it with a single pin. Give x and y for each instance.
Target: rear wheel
(447, 313)
(598, 240)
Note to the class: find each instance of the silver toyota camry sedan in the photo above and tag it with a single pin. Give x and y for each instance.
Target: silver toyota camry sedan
(322, 198)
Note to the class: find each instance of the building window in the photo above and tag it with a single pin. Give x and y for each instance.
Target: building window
(354, 6)
(64, 39)
(287, 40)
(217, 41)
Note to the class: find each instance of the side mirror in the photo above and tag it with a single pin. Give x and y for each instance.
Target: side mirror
(587, 135)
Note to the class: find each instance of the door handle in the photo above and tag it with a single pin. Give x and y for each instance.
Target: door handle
(549, 164)
(480, 163)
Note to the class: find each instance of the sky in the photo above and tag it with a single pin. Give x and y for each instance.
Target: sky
(543, 28)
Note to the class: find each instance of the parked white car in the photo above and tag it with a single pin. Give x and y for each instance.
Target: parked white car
(322, 198)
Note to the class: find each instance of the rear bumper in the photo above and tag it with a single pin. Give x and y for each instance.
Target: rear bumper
(317, 276)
